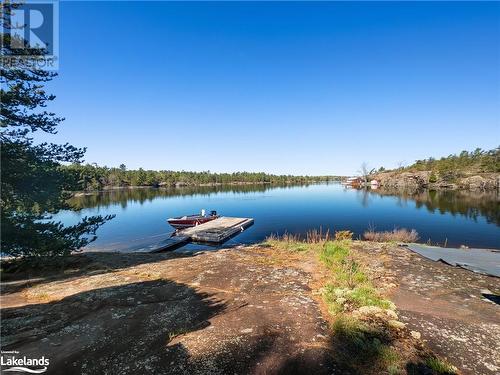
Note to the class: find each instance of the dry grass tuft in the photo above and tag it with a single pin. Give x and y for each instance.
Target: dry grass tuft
(343, 235)
(317, 236)
(290, 241)
(396, 235)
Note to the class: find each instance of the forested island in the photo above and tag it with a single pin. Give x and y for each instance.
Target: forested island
(473, 170)
(89, 177)
(459, 165)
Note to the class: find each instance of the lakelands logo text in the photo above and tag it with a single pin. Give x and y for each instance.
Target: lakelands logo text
(11, 363)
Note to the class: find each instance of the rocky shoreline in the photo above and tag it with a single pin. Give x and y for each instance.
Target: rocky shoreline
(430, 180)
(254, 309)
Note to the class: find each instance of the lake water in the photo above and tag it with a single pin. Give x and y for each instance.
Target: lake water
(460, 218)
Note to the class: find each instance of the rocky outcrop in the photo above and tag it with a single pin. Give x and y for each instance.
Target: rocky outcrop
(488, 182)
(428, 179)
(404, 180)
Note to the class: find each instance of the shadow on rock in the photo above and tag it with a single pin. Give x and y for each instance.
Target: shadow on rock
(122, 329)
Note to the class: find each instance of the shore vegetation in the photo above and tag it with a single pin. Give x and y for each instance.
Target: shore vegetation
(395, 235)
(477, 161)
(365, 326)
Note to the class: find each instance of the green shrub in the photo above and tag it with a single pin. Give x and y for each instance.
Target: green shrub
(440, 366)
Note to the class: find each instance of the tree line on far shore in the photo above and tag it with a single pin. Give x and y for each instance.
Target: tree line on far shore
(477, 161)
(466, 162)
(90, 177)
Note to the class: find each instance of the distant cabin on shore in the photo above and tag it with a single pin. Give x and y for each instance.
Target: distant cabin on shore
(353, 181)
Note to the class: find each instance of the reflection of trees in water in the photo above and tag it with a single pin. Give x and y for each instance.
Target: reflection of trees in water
(364, 197)
(122, 197)
(471, 204)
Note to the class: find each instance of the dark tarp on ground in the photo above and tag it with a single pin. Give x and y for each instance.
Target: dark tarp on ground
(478, 260)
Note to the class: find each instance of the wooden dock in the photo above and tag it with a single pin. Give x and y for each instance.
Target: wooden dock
(213, 232)
(218, 230)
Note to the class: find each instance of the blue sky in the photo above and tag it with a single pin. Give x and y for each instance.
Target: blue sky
(301, 88)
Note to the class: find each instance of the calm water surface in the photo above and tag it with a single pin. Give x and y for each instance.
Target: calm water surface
(460, 218)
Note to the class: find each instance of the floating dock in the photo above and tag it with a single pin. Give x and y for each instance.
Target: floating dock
(218, 230)
(213, 232)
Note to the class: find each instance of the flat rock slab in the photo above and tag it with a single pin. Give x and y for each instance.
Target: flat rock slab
(219, 312)
(454, 309)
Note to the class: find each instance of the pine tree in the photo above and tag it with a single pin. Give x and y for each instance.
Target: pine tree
(34, 186)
